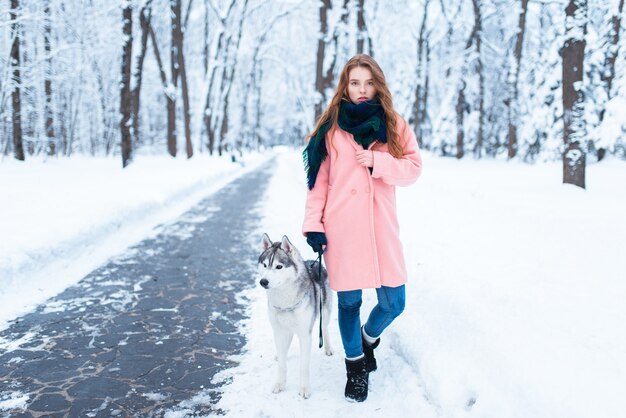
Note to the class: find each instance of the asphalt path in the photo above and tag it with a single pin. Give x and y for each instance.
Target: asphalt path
(150, 328)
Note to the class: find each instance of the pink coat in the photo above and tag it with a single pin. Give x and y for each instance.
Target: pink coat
(357, 211)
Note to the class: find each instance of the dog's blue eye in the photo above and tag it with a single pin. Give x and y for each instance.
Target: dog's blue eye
(278, 267)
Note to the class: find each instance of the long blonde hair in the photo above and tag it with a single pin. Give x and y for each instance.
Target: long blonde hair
(382, 92)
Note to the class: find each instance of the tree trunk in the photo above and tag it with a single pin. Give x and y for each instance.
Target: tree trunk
(187, 14)
(218, 129)
(186, 107)
(48, 112)
(205, 49)
(126, 107)
(340, 29)
(422, 116)
(481, 79)
(224, 127)
(18, 147)
(362, 29)
(363, 35)
(513, 105)
(418, 102)
(320, 84)
(157, 56)
(182, 73)
(327, 77)
(145, 15)
(460, 113)
(106, 117)
(171, 123)
(574, 131)
(259, 112)
(227, 80)
(448, 44)
(174, 68)
(613, 49)
(461, 103)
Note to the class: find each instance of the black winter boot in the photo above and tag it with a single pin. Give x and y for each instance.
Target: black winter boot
(358, 380)
(368, 350)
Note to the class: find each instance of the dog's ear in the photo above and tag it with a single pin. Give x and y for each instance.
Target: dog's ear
(266, 243)
(286, 245)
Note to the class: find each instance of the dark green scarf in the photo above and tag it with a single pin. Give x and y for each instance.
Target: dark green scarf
(365, 121)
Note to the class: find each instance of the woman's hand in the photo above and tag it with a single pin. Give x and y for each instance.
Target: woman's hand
(317, 241)
(365, 158)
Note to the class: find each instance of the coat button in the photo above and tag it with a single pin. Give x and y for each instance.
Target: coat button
(353, 191)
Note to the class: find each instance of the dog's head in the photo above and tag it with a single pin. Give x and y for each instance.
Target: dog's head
(279, 262)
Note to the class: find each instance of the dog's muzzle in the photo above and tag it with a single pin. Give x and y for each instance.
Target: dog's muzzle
(264, 283)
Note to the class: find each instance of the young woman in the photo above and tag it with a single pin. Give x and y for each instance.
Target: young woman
(360, 150)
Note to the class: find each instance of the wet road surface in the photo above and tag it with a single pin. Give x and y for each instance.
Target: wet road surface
(150, 328)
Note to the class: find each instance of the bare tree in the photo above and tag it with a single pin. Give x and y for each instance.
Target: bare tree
(220, 83)
(108, 136)
(362, 32)
(186, 106)
(126, 108)
(18, 147)
(321, 81)
(205, 49)
(174, 72)
(612, 49)
(574, 131)
(145, 15)
(228, 75)
(512, 101)
(461, 104)
(210, 113)
(48, 112)
(253, 84)
(328, 50)
(422, 116)
(166, 89)
(460, 113)
(419, 103)
(451, 18)
(183, 77)
(478, 28)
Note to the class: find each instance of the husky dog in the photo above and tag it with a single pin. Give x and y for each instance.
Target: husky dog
(294, 293)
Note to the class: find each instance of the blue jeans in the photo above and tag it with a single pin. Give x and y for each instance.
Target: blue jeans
(391, 302)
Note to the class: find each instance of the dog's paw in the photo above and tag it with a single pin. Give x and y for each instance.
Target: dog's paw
(329, 350)
(278, 387)
(305, 392)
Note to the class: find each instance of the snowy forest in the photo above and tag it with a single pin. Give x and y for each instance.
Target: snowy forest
(509, 79)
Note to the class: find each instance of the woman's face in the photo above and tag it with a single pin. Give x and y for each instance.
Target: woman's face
(360, 85)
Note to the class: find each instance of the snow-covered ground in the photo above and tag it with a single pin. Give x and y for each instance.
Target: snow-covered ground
(515, 301)
(62, 218)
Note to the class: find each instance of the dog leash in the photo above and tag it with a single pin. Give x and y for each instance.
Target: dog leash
(319, 260)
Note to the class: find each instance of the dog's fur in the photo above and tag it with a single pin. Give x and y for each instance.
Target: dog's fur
(294, 289)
